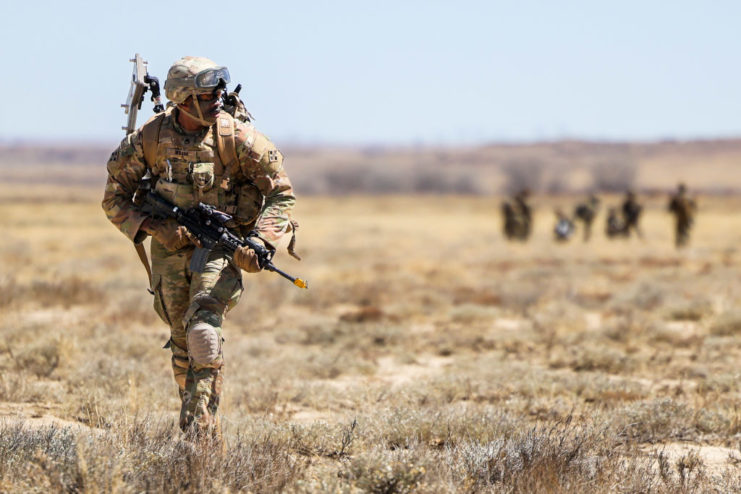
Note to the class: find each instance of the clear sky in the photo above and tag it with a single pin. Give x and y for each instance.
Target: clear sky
(388, 72)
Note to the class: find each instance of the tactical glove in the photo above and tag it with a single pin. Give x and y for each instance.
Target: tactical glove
(246, 258)
(167, 232)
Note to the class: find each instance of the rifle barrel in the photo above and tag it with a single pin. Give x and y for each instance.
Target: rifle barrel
(296, 281)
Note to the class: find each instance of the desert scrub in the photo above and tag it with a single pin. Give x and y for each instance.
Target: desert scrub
(651, 421)
(321, 439)
(542, 457)
(727, 324)
(691, 310)
(145, 456)
(44, 357)
(603, 358)
(434, 426)
(20, 387)
(474, 314)
(384, 473)
(678, 334)
(64, 292)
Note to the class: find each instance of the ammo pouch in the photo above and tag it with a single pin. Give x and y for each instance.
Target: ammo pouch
(186, 196)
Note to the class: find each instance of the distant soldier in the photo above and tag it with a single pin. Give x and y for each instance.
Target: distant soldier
(683, 208)
(586, 212)
(518, 217)
(564, 228)
(631, 210)
(615, 226)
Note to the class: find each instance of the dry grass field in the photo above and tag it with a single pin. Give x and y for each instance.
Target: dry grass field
(428, 355)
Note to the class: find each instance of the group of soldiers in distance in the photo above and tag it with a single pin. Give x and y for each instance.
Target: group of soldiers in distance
(621, 222)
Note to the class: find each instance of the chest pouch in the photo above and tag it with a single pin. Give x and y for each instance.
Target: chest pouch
(249, 204)
(202, 176)
(179, 194)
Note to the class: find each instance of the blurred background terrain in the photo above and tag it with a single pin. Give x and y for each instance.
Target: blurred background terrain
(562, 167)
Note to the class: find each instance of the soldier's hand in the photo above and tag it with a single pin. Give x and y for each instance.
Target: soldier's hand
(171, 235)
(246, 258)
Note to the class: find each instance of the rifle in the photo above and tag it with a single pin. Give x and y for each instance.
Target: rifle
(208, 225)
(141, 81)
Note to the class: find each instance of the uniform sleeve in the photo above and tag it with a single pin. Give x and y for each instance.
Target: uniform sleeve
(126, 167)
(262, 163)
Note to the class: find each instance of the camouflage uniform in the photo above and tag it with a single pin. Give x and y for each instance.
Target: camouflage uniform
(631, 210)
(187, 167)
(614, 226)
(518, 217)
(683, 208)
(586, 212)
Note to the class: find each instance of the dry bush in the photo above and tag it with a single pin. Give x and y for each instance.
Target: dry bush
(64, 292)
(657, 420)
(538, 459)
(146, 455)
(675, 337)
(692, 310)
(616, 175)
(43, 357)
(643, 296)
(727, 324)
(20, 387)
(601, 358)
(426, 182)
(523, 174)
(470, 314)
(375, 472)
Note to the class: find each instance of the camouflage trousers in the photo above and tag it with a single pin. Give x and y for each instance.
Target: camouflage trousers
(194, 306)
(682, 233)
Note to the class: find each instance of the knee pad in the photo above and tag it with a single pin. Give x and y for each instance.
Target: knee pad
(204, 343)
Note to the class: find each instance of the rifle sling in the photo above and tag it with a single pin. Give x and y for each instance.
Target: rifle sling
(226, 145)
(145, 261)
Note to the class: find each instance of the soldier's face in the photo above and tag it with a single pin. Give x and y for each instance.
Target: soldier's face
(209, 97)
(210, 104)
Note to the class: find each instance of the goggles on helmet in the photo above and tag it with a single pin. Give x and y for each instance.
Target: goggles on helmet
(210, 78)
(205, 79)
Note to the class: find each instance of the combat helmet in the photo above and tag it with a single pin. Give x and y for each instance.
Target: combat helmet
(191, 76)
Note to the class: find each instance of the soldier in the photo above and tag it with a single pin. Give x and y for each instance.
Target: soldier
(194, 152)
(518, 217)
(683, 208)
(631, 210)
(586, 212)
(614, 227)
(564, 227)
